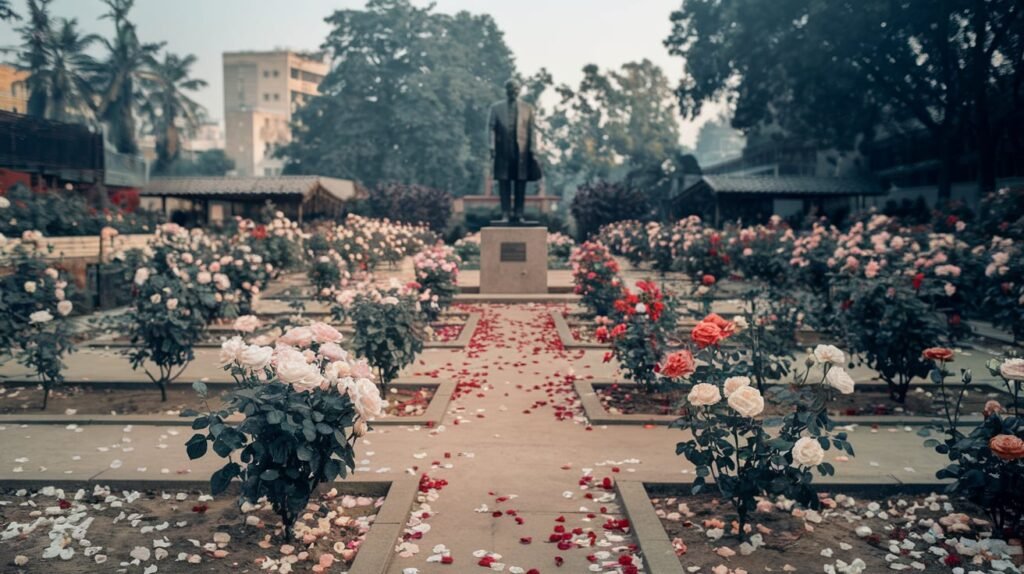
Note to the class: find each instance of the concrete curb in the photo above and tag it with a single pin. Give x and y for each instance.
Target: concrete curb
(106, 342)
(434, 414)
(375, 553)
(655, 547)
(566, 336)
(477, 298)
(598, 415)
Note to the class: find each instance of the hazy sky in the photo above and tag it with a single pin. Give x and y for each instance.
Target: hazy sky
(561, 35)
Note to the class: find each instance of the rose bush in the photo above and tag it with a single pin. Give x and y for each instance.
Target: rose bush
(304, 407)
(388, 329)
(437, 279)
(986, 463)
(746, 456)
(34, 309)
(642, 324)
(595, 277)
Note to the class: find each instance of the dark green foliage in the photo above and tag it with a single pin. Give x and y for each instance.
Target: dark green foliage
(388, 332)
(599, 203)
(58, 213)
(414, 204)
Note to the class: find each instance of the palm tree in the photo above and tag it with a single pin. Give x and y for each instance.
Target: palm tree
(116, 76)
(65, 78)
(35, 35)
(6, 12)
(167, 103)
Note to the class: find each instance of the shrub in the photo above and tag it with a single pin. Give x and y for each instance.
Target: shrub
(437, 277)
(595, 278)
(302, 416)
(34, 305)
(987, 462)
(641, 326)
(325, 275)
(745, 455)
(415, 204)
(388, 330)
(600, 203)
(58, 213)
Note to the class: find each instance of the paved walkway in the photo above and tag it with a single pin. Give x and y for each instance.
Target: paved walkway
(513, 440)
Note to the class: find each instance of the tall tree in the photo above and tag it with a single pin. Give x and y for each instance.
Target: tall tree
(615, 121)
(6, 12)
(832, 71)
(117, 75)
(169, 108)
(65, 78)
(36, 34)
(406, 98)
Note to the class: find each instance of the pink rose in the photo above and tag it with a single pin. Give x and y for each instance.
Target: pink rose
(297, 337)
(324, 333)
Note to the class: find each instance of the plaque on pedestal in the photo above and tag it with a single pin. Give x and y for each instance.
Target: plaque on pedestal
(513, 260)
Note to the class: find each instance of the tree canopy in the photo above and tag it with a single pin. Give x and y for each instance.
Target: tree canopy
(835, 72)
(406, 99)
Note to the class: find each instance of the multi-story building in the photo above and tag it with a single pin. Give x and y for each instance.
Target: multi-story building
(261, 92)
(13, 91)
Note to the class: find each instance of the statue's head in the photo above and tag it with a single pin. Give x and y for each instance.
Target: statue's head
(512, 88)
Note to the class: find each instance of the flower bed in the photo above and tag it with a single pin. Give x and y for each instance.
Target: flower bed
(95, 529)
(868, 400)
(850, 535)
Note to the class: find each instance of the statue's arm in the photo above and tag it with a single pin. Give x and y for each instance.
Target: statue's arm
(491, 124)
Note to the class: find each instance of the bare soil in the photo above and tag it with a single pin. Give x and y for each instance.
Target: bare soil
(865, 401)
(89, 400)
(159, 517)
(800, 543)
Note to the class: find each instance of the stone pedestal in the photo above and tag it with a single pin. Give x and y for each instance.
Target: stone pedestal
(513, 260)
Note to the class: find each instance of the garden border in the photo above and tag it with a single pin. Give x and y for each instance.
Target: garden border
(434, 415)
(598, 415)
(565, 334)
(465, 335)
(375, 553)
(652, 540)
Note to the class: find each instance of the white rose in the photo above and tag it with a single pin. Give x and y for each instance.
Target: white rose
(230, 350)
(155, 298)
(338, 371)
(256, 357)
(747, 401)
(704, 395)
(141, 275)
(839, 379)
(366, 398)
(30, 286)
(292, 369)
(64, 308)
(52, 273)
(732, 384)
(40, 317)
(4, 202)
(172, 304)
(807, 452)
(1012, 369)
(641, 308)
(204, 277)
(829, 354)
(740, 322)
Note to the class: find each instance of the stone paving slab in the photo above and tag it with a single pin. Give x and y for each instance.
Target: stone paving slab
(501, 436)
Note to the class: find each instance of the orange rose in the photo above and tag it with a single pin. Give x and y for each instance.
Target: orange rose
(993, 408)
(1007, 447)
(706, 334)
(938, 354)
(677, 365)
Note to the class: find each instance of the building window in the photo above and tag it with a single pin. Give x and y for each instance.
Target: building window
(295, 74)
(275, 73)
(268, 171)
(277, 97)
(266, 73)
(266, 97)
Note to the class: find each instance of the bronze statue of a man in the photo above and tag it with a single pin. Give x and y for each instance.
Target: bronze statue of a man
(513, 148)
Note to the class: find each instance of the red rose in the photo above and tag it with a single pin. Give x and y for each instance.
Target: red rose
(727, 327)
(618, 330)
(918, 280)
(601, 334)
(708, 280)
(938, 354)
(706, 334)
(678, 365)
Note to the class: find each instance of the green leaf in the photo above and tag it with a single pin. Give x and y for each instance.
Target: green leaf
(269, 475)
(196, 446)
